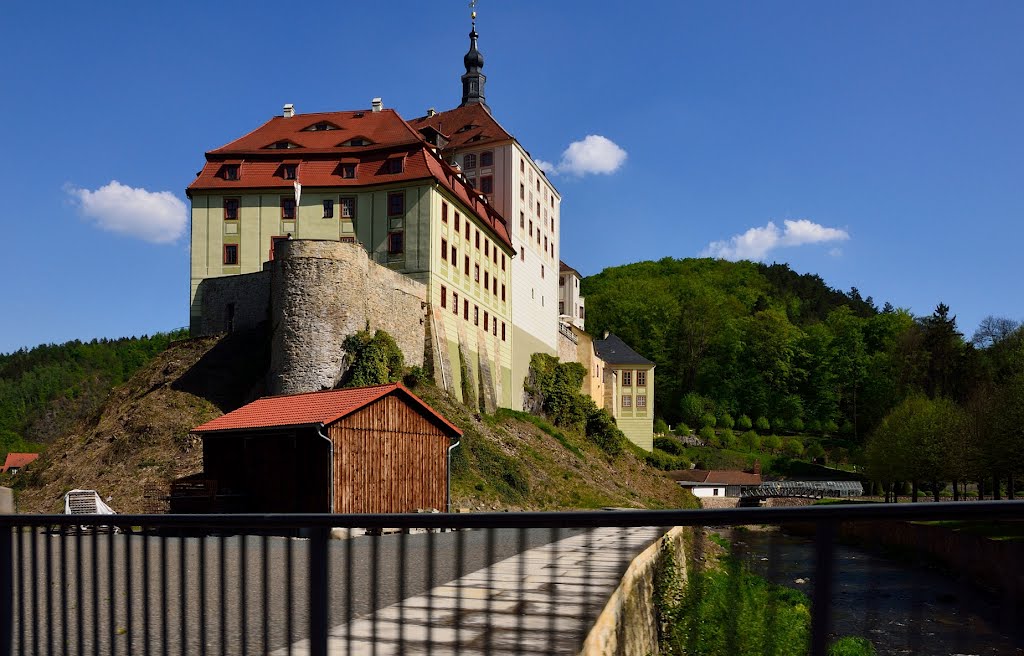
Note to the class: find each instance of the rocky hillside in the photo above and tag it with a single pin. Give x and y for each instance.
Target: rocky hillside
(139, 440)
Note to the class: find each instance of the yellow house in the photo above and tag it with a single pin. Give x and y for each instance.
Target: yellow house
(628, 380)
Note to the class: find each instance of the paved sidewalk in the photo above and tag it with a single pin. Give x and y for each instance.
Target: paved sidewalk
(542, 601)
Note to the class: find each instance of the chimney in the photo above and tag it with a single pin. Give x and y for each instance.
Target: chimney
(431, 112)
(606, 334)
(378, 104)
(289, 110)
(757, 467)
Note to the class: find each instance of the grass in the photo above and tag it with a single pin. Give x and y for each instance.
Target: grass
(504, 413)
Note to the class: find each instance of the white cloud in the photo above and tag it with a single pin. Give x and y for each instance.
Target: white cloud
(592, 154)
(835, 252)
(155, 216)
(756, 243)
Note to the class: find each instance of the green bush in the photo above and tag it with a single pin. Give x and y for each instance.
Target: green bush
(793, 447)
(726, 421)
(852, 646)
(710, 438)
(797, 425)
(708, 419)
(692, 407)
(829, 428)
(744, 423)
(669, 445)
(660, 427)
(815, 450)
(602, 431)
(666, 461)
(778, 424)
(376, 359)
(415, 377)
(814, 426)
(751, 441)
(729, 439)
(762, 425)
(846, 429)
(681, 429)
(773, 443)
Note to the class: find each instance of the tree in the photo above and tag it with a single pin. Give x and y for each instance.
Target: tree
(773, 443)
(793, 447)
(762, 425)
(376, 359)
(744, 423)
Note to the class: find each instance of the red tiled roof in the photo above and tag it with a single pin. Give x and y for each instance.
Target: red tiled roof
(715, 477)
(19, 460)
(320, 158)
(563, 267)
(454, 123)
(312, 408)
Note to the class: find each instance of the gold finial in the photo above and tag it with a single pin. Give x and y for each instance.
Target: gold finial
(473, 15)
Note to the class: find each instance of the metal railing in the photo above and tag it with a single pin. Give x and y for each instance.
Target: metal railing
(242, 584)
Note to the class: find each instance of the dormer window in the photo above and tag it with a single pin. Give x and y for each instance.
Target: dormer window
(394, 165)
(288, 171)
(322, 126)
(356, 141)
(348, 171)
(282, 145)
(467, 127)
(469, 161)
(229, 172)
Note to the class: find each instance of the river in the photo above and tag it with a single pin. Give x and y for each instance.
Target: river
(902, 609)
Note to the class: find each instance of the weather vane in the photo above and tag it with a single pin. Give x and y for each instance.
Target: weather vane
(472, 5)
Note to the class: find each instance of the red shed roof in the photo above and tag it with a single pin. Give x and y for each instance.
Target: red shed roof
(19, 460)
(715, 477)
(313, 408)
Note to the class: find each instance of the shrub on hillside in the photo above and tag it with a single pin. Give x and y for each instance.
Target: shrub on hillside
(681, 429)
(660, 427)
(602, 431)
(744, 423)
(778, 424)
(669, 445)
(692, 408)
(793, 447)
(815, 450)
(751, 441)
(814, 426)
(376, 359)
(666, 461)
(762, 425)
(797, 425)
(829, 428)
(726, 421)
(773, 443)
(846, 429)
(729, 439)
(710, 438)
(708, 420)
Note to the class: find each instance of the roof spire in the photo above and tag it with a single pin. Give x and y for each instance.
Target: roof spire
(473, 80)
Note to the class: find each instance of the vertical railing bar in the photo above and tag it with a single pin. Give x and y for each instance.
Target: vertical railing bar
(112, 628)
(79, 583)
(460, 565)
(48, 552)
(431, 554)
(164, 619)
(146, 641)
(63, 591)
(349, 584)
(821, 605)
(521, 582)
(202, 591)
(374, 590)
(20, 542)
(6, 589)
(222, 578)
(489, 612)
(318, 591)
(182, 562)
(289, 593)
(94, 559)
(128, 605)
(265, 593)
(553, 580)
(243, 574)
(401, 589)
(585, 607)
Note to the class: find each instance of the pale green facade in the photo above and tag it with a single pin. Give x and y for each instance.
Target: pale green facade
(633, 399)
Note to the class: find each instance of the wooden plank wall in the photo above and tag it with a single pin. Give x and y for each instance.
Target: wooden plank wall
(388, 458)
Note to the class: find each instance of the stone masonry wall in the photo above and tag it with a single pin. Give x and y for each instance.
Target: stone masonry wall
(322, 292)
(231, 303)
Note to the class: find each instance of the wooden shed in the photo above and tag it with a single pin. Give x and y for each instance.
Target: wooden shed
(363, 450)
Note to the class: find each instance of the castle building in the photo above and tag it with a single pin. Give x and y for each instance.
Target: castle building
(628, 387)
(571, 306)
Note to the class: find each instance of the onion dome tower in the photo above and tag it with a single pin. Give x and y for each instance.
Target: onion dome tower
(473, 80)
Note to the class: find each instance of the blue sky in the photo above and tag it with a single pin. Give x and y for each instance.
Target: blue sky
(888, 134)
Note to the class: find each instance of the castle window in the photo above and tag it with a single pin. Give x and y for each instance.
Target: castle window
(487, 184)
(476, 315)
(627, 378)
(467, 265)
(522, 191)
(487, 247)
(444, 296)
(478, 240)
(465, 310)
(494, 285)
(641, 376)
(329, 209)
(394, 165)
(542, 271)
(456, 222)
(522, 220)
(396, 242)
(502, 261)
(502, 292)
(487, 158)
(230, 209)
(552, 207)
(288, 171)
(561, 281)
(494, 327)
(322, 126)
(503, 331)
(531, 228)
(522, 165)
(455, 256)
(522, 253)
(288, 209)
(545, 243)
(641, 400)
(444, 212)
(455, 303)
(627, 401)
(348, 171)
(230, 172)
(396, 204)
(538, 209)
(230, 254)
(348, 207)
(487, 280)
(561, 307)
(476, 272)
(469, 161)
(486, 320)
(444, 249)
(494, 254)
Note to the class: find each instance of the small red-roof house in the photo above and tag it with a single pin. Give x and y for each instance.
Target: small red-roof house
(374, 449)
(715, 482)
(15, 461)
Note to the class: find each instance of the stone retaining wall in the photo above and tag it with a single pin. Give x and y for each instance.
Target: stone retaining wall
(629, 622)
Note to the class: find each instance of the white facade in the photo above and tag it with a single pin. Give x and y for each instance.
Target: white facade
(571, 306)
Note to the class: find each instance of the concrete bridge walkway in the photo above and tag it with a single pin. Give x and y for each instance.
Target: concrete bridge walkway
(541, 601)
